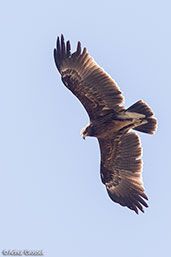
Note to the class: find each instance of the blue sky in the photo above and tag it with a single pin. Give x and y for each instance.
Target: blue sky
(51, 195)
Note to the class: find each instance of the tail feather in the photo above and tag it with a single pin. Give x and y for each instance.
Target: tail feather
(142, 108)
(149, 127)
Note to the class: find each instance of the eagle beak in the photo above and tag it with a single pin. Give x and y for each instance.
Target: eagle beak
(83, 134)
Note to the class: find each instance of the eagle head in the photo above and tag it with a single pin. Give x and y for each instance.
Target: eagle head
(87, 131)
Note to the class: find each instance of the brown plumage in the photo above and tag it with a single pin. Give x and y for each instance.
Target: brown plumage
(121, 163)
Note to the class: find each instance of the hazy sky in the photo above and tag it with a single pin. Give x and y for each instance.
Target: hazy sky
(51, 195)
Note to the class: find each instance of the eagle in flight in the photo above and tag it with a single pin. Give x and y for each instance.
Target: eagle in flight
(110, 123)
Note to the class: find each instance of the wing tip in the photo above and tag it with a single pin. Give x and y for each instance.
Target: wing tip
(58, 44)
(62, 36)
(133, 201)
(79, 48)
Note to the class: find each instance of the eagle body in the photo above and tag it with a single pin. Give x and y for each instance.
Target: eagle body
(110, 123)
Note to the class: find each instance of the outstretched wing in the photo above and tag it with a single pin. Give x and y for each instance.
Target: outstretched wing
(94, 88)
(121, 170)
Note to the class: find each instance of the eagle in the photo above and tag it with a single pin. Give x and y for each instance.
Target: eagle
(110, 122)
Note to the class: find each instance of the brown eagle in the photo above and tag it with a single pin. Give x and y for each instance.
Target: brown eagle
(110, 123)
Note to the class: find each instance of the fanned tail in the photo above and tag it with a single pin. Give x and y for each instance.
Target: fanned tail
(142, 108)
